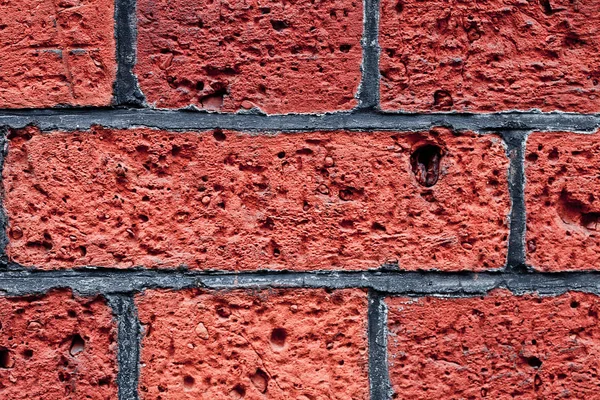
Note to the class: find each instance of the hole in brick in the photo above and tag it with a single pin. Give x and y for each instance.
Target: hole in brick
(425, 162)
(399, 7)
(77, 345)
(223, 312)
(238, 392)
(105, 381)
(214, 101)
(260, 380)
(442, 100)
(219, 135)
(82, 251)
(532, 157)
(6, 359)
(534, 362)
(265, 10)
(279, 25)
(281, 154)
(574, 304)
(27, 354)
(143, 218)
(553, 155)
(278, 337)
(547, 7)
(188, 381)
(276, 252)
(376, 226)
(344, 48)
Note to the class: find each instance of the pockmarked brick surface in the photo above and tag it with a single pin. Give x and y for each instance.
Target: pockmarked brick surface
(300, 344)
(490, 56)
(56, 53)
(281, 57)
(57, 346)
(233, 201)
(498, 347)
(563, 201)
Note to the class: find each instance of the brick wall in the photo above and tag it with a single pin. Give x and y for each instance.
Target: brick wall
(299, 200)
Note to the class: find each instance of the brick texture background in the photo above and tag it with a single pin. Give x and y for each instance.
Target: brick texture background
(308, 200)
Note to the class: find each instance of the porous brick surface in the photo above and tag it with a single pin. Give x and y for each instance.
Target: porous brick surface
(490, 56)
(563, 204)
(498, 347)
(300, 344)
(57, 346)
(281, 57)
(56, 53)
(225, 200)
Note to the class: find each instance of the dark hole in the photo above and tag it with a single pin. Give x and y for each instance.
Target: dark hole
(219, 135)
(279, 25)
(344, 48)
(278, 337)
(425, 162)
(574, 304)
(281, 154)
(77, 345)
(399, 7)
(5, 358)
(534, 362)
(239, 389)
(27, 353)
(188, 381)
(143, 217)
(442, 99)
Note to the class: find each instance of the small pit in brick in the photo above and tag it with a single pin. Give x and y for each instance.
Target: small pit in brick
(425, 163)
(278, 337)
(77, 345)
(6, 359)
(188, 381)
(534, 362)
(260, 380)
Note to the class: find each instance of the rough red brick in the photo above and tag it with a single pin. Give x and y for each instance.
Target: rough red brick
(498, 347)
(299, 344)
(224, 200)
(57, 346)
(563, 205)
(281, 57)
(56, 52)
(490, 56)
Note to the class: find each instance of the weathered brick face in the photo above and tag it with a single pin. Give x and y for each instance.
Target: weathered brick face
(290, 57)
(493, 56)
(500, 346)
(562, 201)
(56, 53)
(57, 346)
(303, 344)
(231, 201)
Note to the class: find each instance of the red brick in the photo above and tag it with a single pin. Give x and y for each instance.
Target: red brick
(56, 52)
(490, 56)
(57, 346)
(224, 200)
(498, 347)
(281, 57)
(563, 206)
(299, 344)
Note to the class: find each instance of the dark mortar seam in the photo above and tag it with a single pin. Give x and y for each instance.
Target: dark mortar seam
(409, 283)
(369, 120)
(515, 143)
(379, 379)
(368, 93)
(129, 342)
(125, 88)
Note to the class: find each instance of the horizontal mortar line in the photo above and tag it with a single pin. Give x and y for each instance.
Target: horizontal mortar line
(74, 119)
(419, 283)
